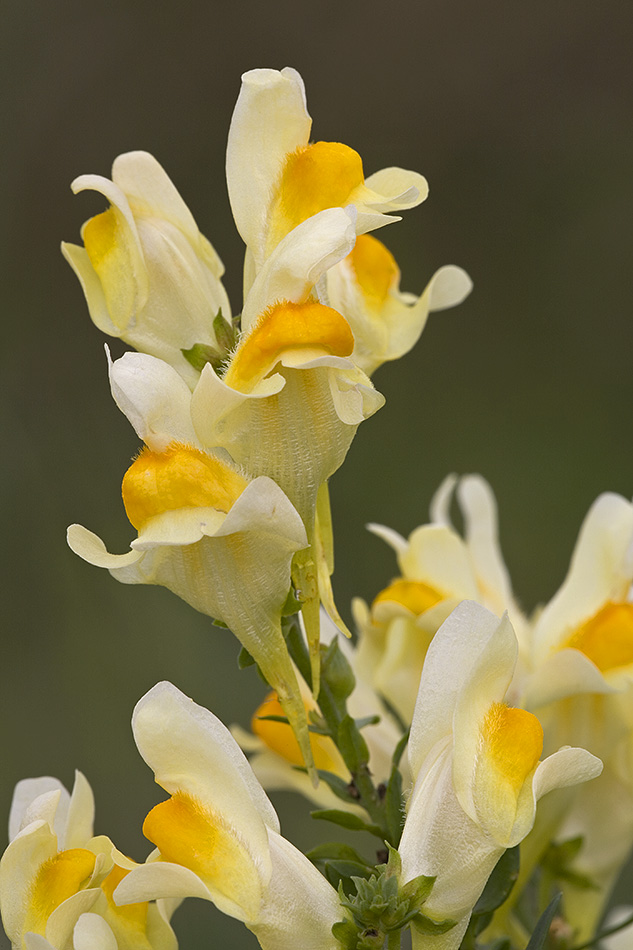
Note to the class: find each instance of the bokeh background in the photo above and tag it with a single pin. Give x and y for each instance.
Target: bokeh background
(520, 116)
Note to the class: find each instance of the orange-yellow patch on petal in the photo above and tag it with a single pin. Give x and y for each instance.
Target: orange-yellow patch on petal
(100, 235)
(513, 741)
(313, 328)
(57, 880)
(607, 638)
(315, 177)
(179, 477)
(416, 596)
(375, 268)
(132, 915)
(280, 738)
(189, 834)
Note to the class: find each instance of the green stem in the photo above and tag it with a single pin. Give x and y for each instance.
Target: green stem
(393, 940)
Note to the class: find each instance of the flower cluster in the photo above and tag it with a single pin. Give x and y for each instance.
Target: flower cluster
(243, 420)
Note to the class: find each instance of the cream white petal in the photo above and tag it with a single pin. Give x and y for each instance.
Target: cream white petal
(155, 399)
(299, 906)
(270, 120)
(26, 792)
(91, 932)
(81, 814)
(190, 750)
(440, 507)
(61, 923)
(395, 189)
(566, 767)
(77, 257)
(300, 260)
(599, 572)
(34, 845)
(454, 650)
(178, 528)
(160, 879)
(391, 537)
(438, 556)
(92, 549)
(148, 186)
(263, 508)
(34, 941)
(565, 673)
(482, 537)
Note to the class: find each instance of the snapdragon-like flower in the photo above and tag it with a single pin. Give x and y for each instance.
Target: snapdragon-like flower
(218, 835)
(290, 400)
(581, 684)
(386, 322)
(277, 178)
(439, 569)
(57, 879)
(475, 764)
(221, 542)
(150, 277)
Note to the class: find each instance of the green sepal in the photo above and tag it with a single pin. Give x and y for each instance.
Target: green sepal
(351, 745)
(541, 931)
(291, 606)
(393, 867)
(418, 889)
(297, 647)
(202, 353)
(432, 928)
(224, 332)
(346, 819)
(220, 623)
(244, 659)
(394, 813)
(346, 934)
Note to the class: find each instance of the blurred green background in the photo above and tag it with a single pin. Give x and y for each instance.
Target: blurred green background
(520, 116)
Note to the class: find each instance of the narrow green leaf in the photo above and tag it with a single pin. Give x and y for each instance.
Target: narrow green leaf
(402, 744)
(367, 721)
(538, 938)
(500, 883)
(346, 820)
(351, 745)
(297, 647)
(336, 851)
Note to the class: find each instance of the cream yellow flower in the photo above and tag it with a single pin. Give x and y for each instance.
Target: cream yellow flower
(475, 764)
(386, 322)
(221, 542)
(277, 178)
(218, 835)
(57, 879)
(150, 277)
(439, 569)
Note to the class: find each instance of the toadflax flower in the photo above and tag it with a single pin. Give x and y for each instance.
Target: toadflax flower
(290, 399)
(438, 568)
(581, 685)
(57, 879)
(217, 836)
(150, 277)
(386, 322)
(221, 542)
(277, 178)
(475, 765)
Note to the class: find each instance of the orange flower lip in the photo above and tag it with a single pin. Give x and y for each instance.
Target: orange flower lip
(312, 327)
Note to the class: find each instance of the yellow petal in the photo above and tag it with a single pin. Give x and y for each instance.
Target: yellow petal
(513, 743)
(375, 268)
(607, 638)
(189, 834)
(312, 327)
(179, 477)
(279, 737)
(132, 915)
(315, 177)
(57, 879)
(416, 596)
